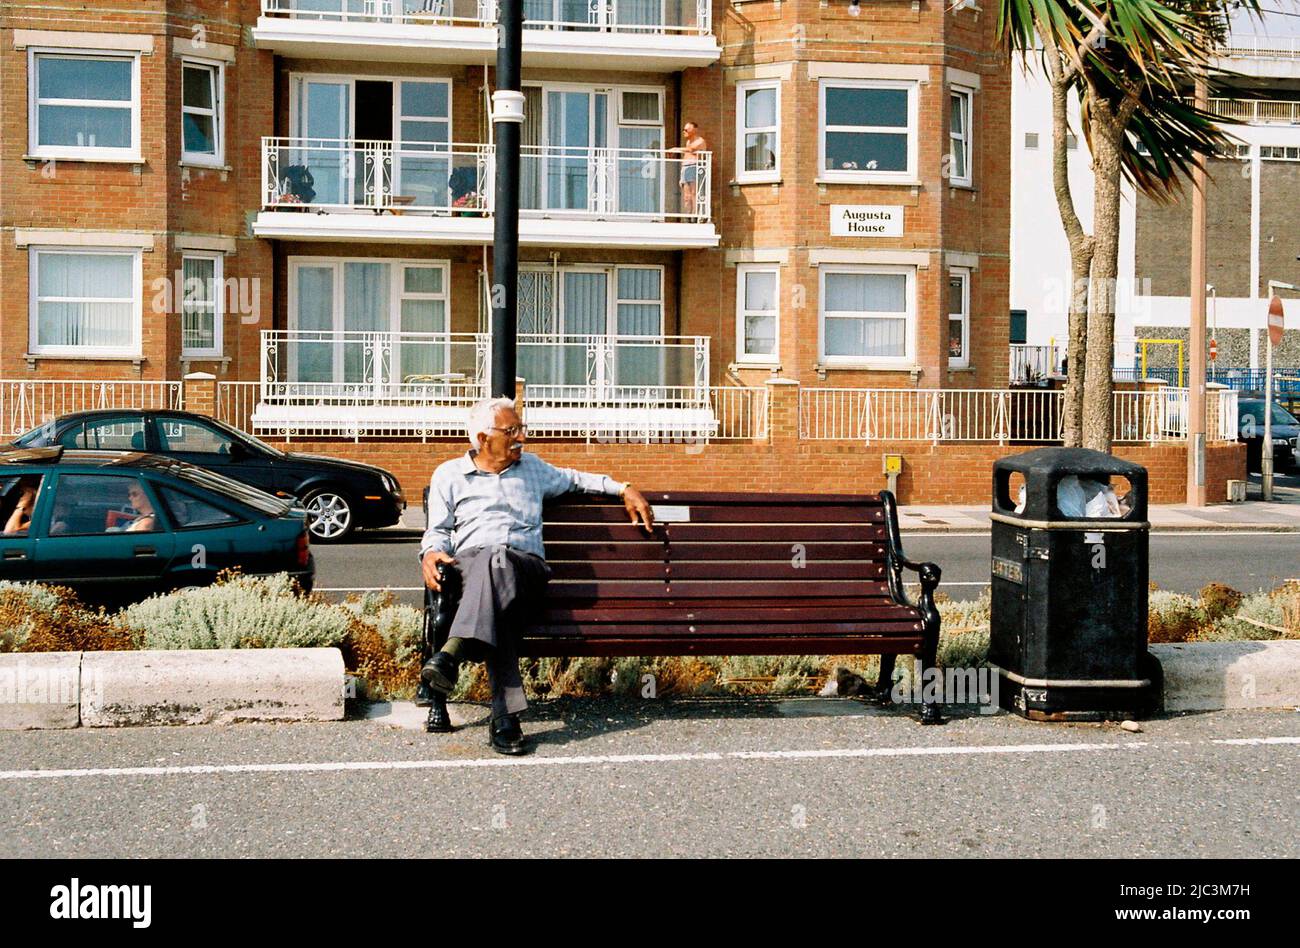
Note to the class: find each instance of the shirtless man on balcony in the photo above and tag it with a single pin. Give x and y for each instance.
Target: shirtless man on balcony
(693, 144)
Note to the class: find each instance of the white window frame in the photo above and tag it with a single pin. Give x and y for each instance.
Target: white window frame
(73, 152)
(396, 293)
(908, 358)
(611, 317)
(964, 273)
(906, 176)
(218, 305)
(767, 174)
(35, 252)
(757, 358)
(967, 97)
(620, 91)
(217, 70)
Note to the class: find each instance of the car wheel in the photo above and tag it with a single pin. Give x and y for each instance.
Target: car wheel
(330, 516)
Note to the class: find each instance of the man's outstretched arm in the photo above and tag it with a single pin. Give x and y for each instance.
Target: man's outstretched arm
(562, 480)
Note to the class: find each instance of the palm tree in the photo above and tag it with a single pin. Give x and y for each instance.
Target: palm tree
(1129, 62)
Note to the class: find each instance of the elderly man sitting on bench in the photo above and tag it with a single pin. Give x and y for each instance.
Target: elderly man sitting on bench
(485, 520)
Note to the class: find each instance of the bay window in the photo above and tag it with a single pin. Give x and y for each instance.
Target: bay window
(959, 137)
(201, 305)
(758, 138)
(201, 113)
(757, 313)
(84, 105)
(958, 317)
(867, 130)
(85, 302)
(868, 315)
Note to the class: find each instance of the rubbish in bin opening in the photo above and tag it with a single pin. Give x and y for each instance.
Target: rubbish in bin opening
(1086, 497)
(1016, 490)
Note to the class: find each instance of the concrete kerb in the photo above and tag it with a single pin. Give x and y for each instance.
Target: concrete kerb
(223, 686)
(198, 686)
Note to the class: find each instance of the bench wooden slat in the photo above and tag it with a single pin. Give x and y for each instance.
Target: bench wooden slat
(730, 533)
(653, 630)
(709, 615)
(710, 589)
(698, 645)
(760, 571)
(705, 513)
(558, 552)
(742, 498)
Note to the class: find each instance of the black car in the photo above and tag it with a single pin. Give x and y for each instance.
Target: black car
(1286, 429)
(339, 496)
(118, 526)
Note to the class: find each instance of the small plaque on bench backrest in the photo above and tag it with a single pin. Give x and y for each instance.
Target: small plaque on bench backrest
(665, 513)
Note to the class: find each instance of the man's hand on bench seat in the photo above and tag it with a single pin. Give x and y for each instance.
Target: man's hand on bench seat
(429, 566)
(638, 506)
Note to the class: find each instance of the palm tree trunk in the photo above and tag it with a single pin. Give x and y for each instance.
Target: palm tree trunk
(1098, 401)
(1080, 260)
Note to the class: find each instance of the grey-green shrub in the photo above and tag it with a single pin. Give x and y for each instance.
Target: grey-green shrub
(21, 601)
(1259, 606)
(243, 612)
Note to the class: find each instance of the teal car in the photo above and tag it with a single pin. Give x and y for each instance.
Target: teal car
(118, 526)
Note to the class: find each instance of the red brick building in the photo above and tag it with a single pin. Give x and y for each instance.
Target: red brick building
(297, 194)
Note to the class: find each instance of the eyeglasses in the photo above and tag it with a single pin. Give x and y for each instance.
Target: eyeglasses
(512, 430)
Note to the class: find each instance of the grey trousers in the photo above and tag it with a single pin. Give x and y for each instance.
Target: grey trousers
(501, 586)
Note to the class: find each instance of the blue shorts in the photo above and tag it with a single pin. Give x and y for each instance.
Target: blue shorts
(688, 174)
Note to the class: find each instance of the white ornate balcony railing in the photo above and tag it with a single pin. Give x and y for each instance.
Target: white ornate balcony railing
(1034, 362)
(420, 384)
(26, 403)
(456, 179)
(690, 17)
(306, 365)
(997, 415)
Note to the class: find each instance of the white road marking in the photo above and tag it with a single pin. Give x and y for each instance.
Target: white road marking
(603, 760)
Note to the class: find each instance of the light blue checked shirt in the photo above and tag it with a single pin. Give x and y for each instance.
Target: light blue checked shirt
(469, 507)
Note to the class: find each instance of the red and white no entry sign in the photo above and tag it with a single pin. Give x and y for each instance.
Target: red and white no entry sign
(1275, 321)
(1214, 349)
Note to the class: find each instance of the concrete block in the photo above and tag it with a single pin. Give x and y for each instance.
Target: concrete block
(217, 686)
(1213, 676)
(39, 690)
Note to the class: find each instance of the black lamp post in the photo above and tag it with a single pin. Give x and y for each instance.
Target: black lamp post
(507, 117)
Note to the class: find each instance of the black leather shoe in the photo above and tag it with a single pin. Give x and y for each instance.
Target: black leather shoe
(423, 696)
(506, 736)
(439, 721)
(440, 673)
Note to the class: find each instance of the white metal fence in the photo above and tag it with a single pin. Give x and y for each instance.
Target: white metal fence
(456, 179)
(236, 402)
(25, 403)
(647, 414)
(997, 415)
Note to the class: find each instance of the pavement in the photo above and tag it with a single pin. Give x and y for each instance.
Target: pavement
(663, 777)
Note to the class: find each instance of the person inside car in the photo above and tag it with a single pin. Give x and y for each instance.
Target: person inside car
(20, 518)
(147, 519)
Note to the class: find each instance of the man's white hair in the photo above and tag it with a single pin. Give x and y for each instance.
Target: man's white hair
(483, 416)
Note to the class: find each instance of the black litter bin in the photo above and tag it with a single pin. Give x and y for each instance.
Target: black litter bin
(1068, 630)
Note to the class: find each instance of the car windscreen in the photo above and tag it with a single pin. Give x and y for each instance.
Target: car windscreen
(248, 496)
(245, 436)
(37, 437)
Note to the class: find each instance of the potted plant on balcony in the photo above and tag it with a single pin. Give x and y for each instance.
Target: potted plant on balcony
(467, 205)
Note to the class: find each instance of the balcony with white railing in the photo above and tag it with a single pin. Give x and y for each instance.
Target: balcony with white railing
(420, 384)
(350, 189)
(635, 35)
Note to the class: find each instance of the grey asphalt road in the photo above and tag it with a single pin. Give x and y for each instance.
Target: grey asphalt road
(1181, 562)
(806, 777)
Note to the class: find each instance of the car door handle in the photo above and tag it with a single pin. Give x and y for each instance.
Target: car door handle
(15, 554)
(146, 551)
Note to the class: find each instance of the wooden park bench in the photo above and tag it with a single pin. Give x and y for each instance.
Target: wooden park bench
(728, 574)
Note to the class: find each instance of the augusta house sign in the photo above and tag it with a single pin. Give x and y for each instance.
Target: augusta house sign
(866, 220)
